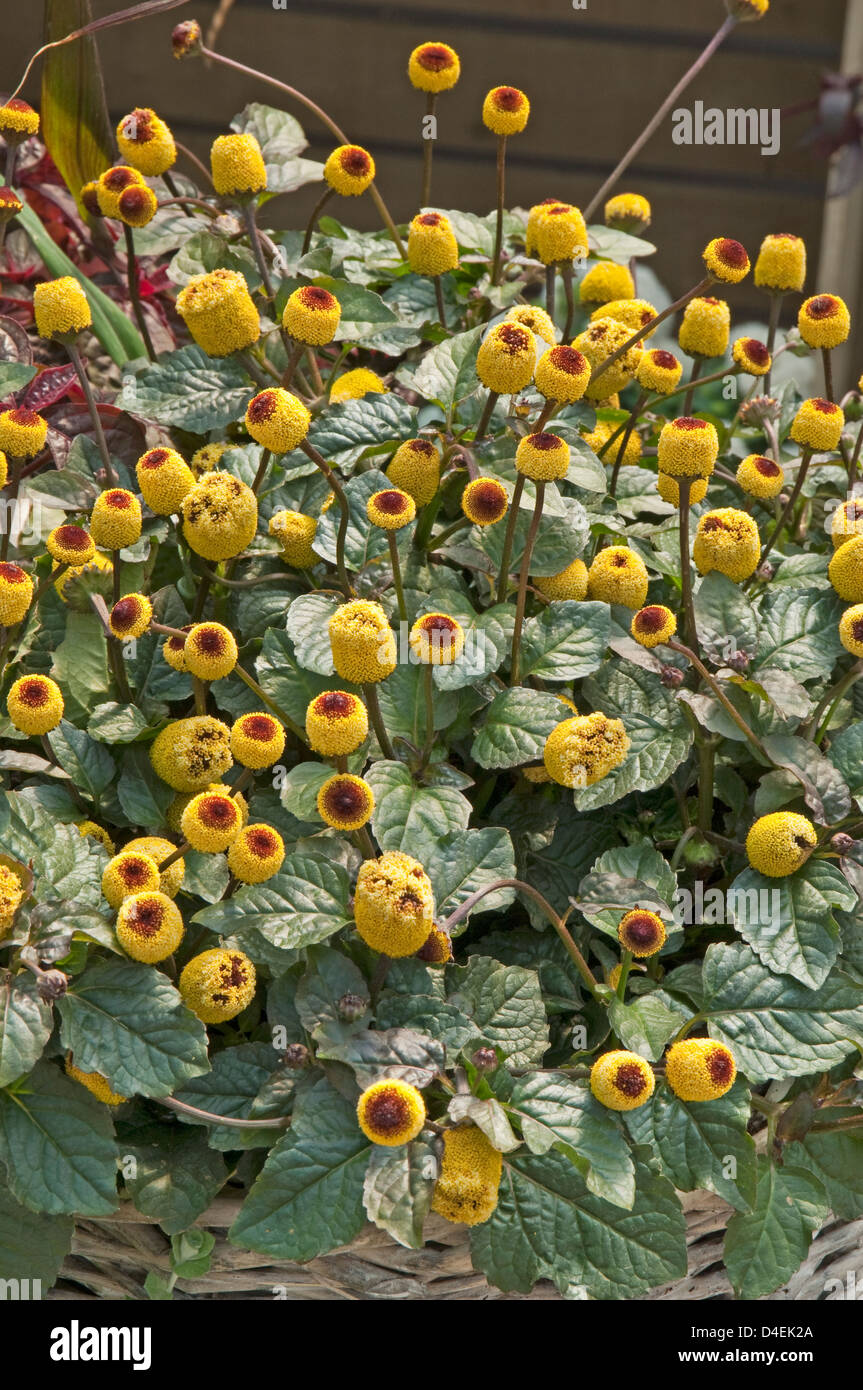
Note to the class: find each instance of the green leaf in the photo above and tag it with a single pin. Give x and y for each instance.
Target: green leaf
(659, 736)
(447, 373)
(725, 617)
(32, 1246)
(284, 680)
(488, 639)
(304, 903)
(516, 726)
(308, 617)
(25, 1026)
(81, 663)
(402, 702)
(14, 376)
(701, 1145)
(562, 535)
(364, 541)
(789, 922)
(487, 1115)
(398, 1189)
(646, 1024)
(127, 1021)
(74, 115)
(65, 864)
(113, 723)
(330, 976)
(143, 796)
(556, 1112)
(57, 1143)
(230, 1089)
(566, 641)
(504, 1004)
(396, 1053)
(846, 753)
(175, 1175)
(299, 791)
(348, 428)
(203, 251)
(188, 390)
(775, 1026)
(836, 1159)
(87, 762)
(763, 1248)
(824, 791)
(799, 632)
(613, 245)
(412, 817)
(462, 862)
(282, 141)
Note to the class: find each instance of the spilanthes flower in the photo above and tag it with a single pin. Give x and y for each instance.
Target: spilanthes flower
(89, 828)
(256, 854)
(584, 749)
(211, 821)
(186, 39)
(311, 315)
(542, 456)
(210, 651)
(70, 545)
(506, 359)
(393, 904)
(653, 625)
(336, 723)
(174, 813)
(4, 470)
(635, 313)
(129, 873)
(432, 247)
(362, 642)
(159, 850)
(727, 540)
(781, 263)
(485, 501)
(536, 319)
(778, 844)
(700, 1069)
(391, 1113)
(847, 521)
(560, 233)
(851, 629)
(562, 374)
(16, 593)
(35, 704)
(130, 616)
(641, 932)
(345, 802)
(60, 307)
(705, 327)
(10, 204)
(354, 385)
(669, 489)
(149, 927)
(349, 170)
(627, 212)
(220, 516)
(18, 120)
(76, 594)
(600, 339)
(237, 165)
(659, 371)
(164, 478)
(11, 895)
(688, 448)
(601, 433)
(437, 948)
(752, 355)
(219, 312)
(257, 740)
(747, 10)
(89, 198)
(173, 649)
(115, 520)
(607, 280)
(391, 509)
(145, 142)
(760, 476)
(533, 220)
(415, 468)
(295, 534)
(818, 425)
(436, 639)
(22, 433)
(726, 260)
(567, 583)
(217, 985)
(95, 1083)
(622, 1080)
(505, 111)
(191, 753)
(824, 321)
(434, 67)
(846, 570)
(277, 419)
(112, 183)
(618, 575)
(205, 459)
(466, 1191)
(137, 206)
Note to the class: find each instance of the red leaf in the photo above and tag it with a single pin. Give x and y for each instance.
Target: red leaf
(50, 386)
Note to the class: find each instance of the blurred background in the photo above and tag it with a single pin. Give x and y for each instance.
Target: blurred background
(594, 75)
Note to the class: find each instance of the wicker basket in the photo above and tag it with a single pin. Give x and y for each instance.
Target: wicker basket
(111, 1259)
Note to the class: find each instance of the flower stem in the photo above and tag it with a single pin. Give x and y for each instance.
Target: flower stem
(441, 311)
(509, 538)
(373, 705)
(428, 692)
(135, 292)
(262, 470)
(816, 730)
(789, 506)
(316, 212)
(428, 152)
(522, 582)
(84, 382)
(651, 324)
(10, 507)
(501, 194)
(566, 277)
(397, 576)
(772, 327)
(684, 488)
(550, 272)
(490, 404)
(721, 697)
(335, 483)
(691, 384)
(447, 532)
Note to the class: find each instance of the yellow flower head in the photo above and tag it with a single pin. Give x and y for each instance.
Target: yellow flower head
(818, 425)
(505, 111)
(700, 1069)
(466, 1191)
(600, 435)
(220, 516)
(349, 170)
(536, 319)
(60, 307)
(76, 595)
(136, 206)
(191, 753)
(391, 1113)
(362, 642)
(415, 468)
(11, 894)
(606, 280)
(506, 359)
(149, 927)
(277, 420)
(112, 183)
(295, 534)
(219, 312)
(4, 470)
(436, 639)
(18, 121)
(217, 985)
(336, 723)
(688, 448)
(174, 648)
(165, 479)
(533, 220)
(16, 593)
(781, 263)
(432, 247)
(846, 570)
(10, 204)
(186, 39)
(257, 740)
(115, 520)
(210, 652)
(237, 165)
(653, 625)
(35, 704)
(211, 821)
(562, 374)
(345, 802)
(568, 583)
(22, 433)
(778, 844)
(747, 10)
(393, 904)
(159, 850)
(727, 540)
(752, 355)
(174, 813)
(434, 67)
(560, 233)
(205, 459)
(130, 616)
(601, 338)
(542, 456)
(659, 371)
(705, 327)
(622, 1080)
(627, 212)
(669, 489)
(618, 575)
(353, 385)
(641, 932)
(95, 1083)
(95, 832)
(311, 315)
(256, 854)
(70, 545)
(485, 501)
(851, 629)
(437, 948)
(760, 476)
(391, 509)
(584, 749)
(847, 521)
(88, 197)
(129, 873)
(824, 321)
(726, 260)
(145, 142)
(635, 313)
